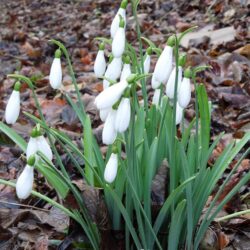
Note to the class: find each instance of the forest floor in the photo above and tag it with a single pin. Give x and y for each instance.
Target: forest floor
(26, 26)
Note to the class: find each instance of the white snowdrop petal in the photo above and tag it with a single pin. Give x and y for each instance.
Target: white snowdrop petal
(123, 115)
(156, 97)
(104, 114)
(184, 93)
(179, 114)
(110, 171)
(25, 182)
(13, 107)
(55, 77)
(32, 147)
(100, 64)
(109, 133)
(44, 147)
(171, 82)
(126, 72)
(118, 43)
(163, 66)
(146, 64)
(109, 96)
(114, 69)
(115, 23)
(154, 83)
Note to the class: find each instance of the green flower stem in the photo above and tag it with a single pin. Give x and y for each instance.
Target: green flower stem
(230, 216)
(138, 31)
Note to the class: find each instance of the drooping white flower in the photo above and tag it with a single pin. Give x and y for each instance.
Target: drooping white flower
(32, 147)
(104, 114)
(156, 97)
(171, 82)
(146, 63)
(123, 115)
(126, 71)
(13, 106)
(114, 69)
(164, 66)
(109, 133)
(55, 76)
(43, 146)
(179, 114)
(110, 171)
(25, 182)
(109, 96)
(100, 62)
(119, 40)
(184, 93)
(116, 21)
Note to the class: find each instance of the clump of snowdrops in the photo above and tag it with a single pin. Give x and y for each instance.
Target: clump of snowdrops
(141, 134)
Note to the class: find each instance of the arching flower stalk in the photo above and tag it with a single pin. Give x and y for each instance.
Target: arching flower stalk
(118, 43)
(116, 21)
(100, 62)
(25, 180)
(111, 168)
(164, 64)
(55, 76)
(12, 110)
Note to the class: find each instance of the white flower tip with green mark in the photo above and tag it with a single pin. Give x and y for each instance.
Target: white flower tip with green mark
(184, 93)
(118, 43)
(123, 115)
(110, 171)
(100, 64)
(32, 147)
(55, 76)
(126, 71)
(109, 96)
(114, 69)
(154, 83)
(116, 21)
(25, 182)
(164, 65)
(13, 107)
(109, 133)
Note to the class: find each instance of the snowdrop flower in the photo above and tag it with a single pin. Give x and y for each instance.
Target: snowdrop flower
(123, 115)
(55, 76)
(171, 82)
(184, 92)
(13, 106)
(154, 83)
(118, 43)
(126, 70)
(110, 171)
(156, 97)
(44, 147)
(179, 114)
(100, 62)
(109, 96)
(25, 180)
(116, 21)
(104, 114)
(113, 71)
(163, 66)
(147, 60)
(109, 133)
